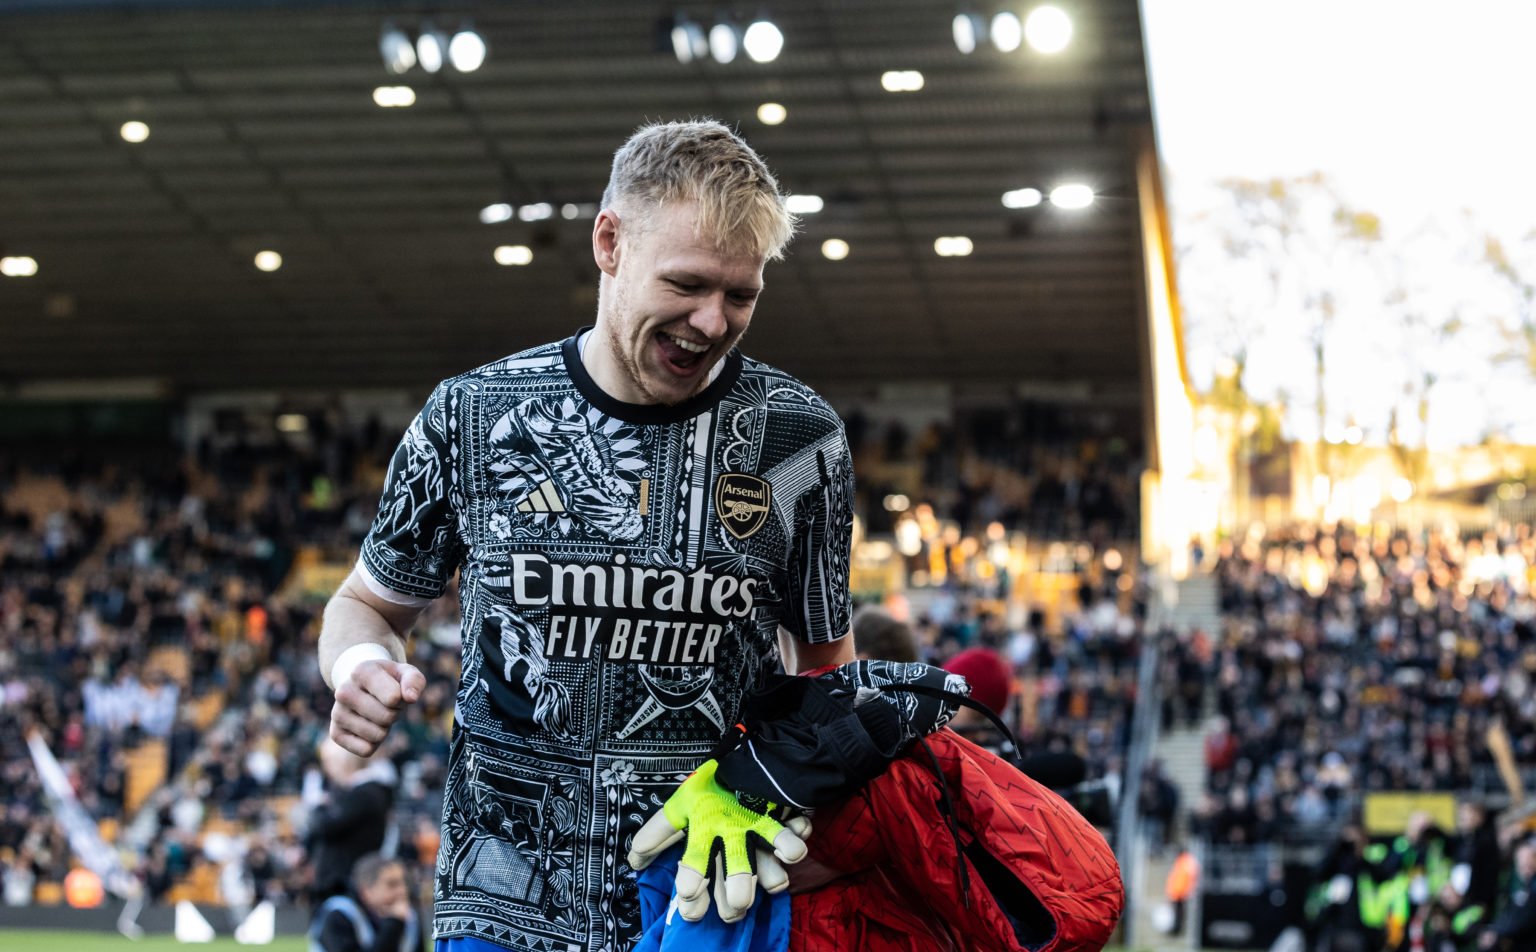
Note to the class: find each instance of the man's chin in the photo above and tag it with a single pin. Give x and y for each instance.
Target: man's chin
(669, 391)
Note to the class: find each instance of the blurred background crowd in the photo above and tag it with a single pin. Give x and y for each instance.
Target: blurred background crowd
(1350, 664)
(158, 618)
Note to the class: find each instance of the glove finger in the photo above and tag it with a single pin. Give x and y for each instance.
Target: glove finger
(799, 825)
(733, 894)
(691, 884)
(652, 839)
(788, 847)
(771, 874)
(693, 909)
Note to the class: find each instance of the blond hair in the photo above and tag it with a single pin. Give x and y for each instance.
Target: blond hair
(703, 162)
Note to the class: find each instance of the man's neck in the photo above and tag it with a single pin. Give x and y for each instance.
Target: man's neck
(602, 366)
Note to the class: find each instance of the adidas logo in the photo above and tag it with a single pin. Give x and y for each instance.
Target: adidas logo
(542, 499)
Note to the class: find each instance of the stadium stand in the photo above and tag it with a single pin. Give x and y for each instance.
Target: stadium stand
(1355, 665)
(160, 614)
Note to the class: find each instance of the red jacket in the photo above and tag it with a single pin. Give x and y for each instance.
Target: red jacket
(1040, 876)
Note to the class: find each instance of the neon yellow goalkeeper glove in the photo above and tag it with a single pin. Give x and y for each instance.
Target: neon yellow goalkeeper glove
(708, 814)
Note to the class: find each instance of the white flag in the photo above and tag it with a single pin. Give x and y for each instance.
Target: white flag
(84, 839)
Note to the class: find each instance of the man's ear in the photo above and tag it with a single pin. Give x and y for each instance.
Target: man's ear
(605, 241)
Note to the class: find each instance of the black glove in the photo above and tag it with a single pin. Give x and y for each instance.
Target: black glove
(813, 741)
(915, 691)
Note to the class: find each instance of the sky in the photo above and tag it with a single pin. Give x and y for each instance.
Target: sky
(1419, 112)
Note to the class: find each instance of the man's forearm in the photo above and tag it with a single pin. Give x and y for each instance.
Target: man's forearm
(350, 621)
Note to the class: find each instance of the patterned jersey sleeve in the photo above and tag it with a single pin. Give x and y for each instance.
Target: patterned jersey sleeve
(413, 549)
(819, 606)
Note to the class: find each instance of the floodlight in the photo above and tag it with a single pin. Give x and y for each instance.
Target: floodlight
(466, 51)
(495, 214)
(1022, 198)
(431, 48)
(803, 204)
(688, 40)
(18, 266)
(510, 255)
(1048, 29)
(763, 41)
(395, 47)
(1007, 31)
(1074, 196)
(724, 41)
(968, 29)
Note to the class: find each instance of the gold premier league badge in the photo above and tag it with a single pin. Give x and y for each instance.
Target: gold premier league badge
(741, 501)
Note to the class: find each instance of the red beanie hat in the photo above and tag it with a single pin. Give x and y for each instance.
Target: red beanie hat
(988, 674)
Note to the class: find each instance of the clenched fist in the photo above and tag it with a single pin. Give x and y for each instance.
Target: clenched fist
(370, 700)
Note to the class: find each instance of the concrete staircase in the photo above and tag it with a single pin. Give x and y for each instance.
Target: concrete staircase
(1182, 750)
(1199, 604)
(1183, 755)
(1195, 604)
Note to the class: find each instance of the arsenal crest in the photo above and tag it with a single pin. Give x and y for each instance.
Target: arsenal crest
(741, 502)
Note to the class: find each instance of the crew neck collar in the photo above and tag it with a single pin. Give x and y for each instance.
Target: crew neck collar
(706, 399)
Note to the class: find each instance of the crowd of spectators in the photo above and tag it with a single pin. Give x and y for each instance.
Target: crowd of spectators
(1071, 675)
(1350, 662)
(1020, 467)
(142, 606)
(1354, 661)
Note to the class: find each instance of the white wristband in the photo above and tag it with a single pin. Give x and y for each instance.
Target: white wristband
(348, 660)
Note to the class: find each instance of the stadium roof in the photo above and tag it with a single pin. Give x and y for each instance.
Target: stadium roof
(264, 135)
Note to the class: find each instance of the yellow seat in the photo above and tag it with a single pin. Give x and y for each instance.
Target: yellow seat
(48, 894)
(173, 661)
(148, 765)
(206, 709)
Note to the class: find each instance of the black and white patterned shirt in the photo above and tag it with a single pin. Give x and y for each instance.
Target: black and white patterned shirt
(624, 573)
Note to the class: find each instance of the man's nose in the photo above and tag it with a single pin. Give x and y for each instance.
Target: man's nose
(709, 317)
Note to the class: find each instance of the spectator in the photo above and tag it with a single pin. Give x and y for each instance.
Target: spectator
(1515, 927)
(1183, 880)
(1159, 805)
(991, 685)
(1475, 877)
(877, 635)
(375, 916)
(20, 879)
(353, 819)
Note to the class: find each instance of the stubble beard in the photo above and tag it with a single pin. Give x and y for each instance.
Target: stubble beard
(630, 367)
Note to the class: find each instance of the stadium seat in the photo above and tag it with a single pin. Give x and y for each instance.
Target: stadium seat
(147, 767)
(48, 894)
(206, 709)
(172, 661)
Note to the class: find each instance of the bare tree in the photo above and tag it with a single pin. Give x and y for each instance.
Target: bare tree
(1521, 287)
(1268, 264)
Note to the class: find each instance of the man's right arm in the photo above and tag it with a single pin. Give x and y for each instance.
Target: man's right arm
(373, 690)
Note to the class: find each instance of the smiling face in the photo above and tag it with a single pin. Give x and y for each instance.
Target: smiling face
(671, 305)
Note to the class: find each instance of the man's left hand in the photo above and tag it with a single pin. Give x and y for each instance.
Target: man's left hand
(708, 814)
